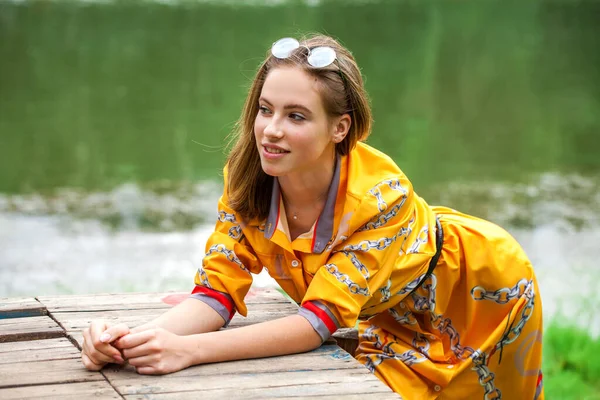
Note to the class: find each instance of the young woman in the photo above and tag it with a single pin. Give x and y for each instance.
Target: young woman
(448, 304)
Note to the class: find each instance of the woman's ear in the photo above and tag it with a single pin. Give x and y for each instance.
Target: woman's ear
(341, 128)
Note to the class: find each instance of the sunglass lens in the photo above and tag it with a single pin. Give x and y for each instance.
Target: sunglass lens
(321, 57)
(284, 47)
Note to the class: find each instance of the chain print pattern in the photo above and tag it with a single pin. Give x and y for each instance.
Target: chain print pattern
(235, 232)
(486, 377)
(499, 297)
(421, 343)
(503, 295)
(362, 268)
(366, 245)
(443, 325)
(345, 279)
(406, 232)
(421, 239)
(406, 319)
(383, 218)
(410, 286)
(385, 291)
(226, 217)
(373, 360)
(479, 359)
(394, 184)
(204, 278)
(230, 254)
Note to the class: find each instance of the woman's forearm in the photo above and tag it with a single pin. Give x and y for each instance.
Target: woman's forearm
(189, 317)
(288, 335)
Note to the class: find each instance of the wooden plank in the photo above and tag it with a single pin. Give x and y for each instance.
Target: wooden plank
(34, 345)
(29, 328)
(371, 390)
(259, 386)
(37, 350)
(80, 320)
(137, 301)
(20, 307)
(328, 370)
(104, 302)
(100, 390)
(45, 372)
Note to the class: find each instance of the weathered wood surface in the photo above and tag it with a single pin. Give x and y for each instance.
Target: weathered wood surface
(137, 301)
(52, 368)
(100, 390)
(19, 307)
(49, 368)
(29, 328)
(324, 371)
(37, 350)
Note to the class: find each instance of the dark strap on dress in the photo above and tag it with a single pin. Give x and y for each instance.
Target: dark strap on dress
(439, 241)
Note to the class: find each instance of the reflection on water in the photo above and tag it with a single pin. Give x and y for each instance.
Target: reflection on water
(58, 245)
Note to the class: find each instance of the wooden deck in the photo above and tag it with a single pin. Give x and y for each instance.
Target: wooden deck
(40, 342)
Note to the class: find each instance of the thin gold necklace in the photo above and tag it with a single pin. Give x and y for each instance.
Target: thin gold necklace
(295, 214)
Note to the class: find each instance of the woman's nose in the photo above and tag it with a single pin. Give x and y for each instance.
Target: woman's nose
(273, 130)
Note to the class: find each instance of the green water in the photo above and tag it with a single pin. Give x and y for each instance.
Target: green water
(94, 95)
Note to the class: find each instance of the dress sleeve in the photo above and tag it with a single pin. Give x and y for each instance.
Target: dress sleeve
(225, 277)
(387, 232)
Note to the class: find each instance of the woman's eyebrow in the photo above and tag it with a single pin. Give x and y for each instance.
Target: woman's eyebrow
(289, 106)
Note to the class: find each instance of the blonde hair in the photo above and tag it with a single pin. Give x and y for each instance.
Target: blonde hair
(342, 91)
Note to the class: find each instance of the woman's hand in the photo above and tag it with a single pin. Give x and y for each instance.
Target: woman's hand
(155, 351)
(97, 350)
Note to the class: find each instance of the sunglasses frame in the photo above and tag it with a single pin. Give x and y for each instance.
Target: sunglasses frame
(318, 57)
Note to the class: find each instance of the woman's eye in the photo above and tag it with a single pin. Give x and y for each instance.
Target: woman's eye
(263, 109)
(297, 117)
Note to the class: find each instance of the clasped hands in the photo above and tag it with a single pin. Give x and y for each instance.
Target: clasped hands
(150, 349)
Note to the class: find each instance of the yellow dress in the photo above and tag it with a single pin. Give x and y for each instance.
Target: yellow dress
(471, 330)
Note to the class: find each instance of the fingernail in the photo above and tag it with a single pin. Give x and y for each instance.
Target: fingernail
(119, 359)
(105, 337)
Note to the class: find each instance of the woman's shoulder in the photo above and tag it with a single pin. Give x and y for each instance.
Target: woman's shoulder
(369, 168)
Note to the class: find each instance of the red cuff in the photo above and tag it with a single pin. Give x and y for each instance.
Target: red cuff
(322, 315)
(218, 296)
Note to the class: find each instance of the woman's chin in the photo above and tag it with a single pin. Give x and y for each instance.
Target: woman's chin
(271, 170)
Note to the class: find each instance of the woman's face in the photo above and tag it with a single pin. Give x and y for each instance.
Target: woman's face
(293, 132)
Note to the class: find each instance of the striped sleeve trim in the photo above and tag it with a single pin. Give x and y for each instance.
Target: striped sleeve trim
(320, 317)
(218, 301)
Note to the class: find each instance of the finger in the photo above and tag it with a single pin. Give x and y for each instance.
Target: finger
(101, 353)
(142, 328)
(113, 333)
(97, 327)
(97, 357)
(144, 349)
(135, 339)
(148, 371)
(144, 361)
(118, 344)
(89, 364)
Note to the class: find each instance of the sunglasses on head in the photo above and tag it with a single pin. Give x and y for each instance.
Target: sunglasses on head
(318, 57)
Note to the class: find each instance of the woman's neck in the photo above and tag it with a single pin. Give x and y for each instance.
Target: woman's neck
(304, 197)
(304, 190)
